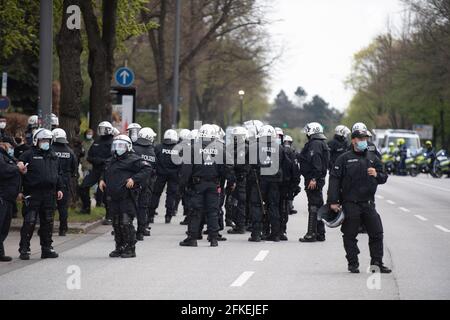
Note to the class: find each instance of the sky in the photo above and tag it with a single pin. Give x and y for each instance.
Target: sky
(318, 40)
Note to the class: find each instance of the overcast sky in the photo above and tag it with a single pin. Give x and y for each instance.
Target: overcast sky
(319, 39)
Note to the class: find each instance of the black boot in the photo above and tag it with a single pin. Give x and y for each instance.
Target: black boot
(63, 227)
(283, 237)
(188, 242)
(117, 252)
(168, 218)
(3, 258)
(129, 239)
(311, 235)
(221, 237)
(48, 253)
(273, 237)
(353, 268)
(147, 232)
(378, 266)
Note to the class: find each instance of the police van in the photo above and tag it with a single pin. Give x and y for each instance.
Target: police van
(412, 139)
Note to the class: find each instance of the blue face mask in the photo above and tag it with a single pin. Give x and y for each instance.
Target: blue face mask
(120, 151)
(44, 146)
(11, 152)
(361, 145)
(278, 141)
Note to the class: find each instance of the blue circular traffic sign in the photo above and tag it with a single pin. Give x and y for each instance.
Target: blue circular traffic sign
(124, 77)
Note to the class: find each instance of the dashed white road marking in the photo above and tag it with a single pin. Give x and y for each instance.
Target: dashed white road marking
(261, 255)
(404, 209)
(390, 201)
(442, 228)
(418, 216)
(239, 282)
(379, 197)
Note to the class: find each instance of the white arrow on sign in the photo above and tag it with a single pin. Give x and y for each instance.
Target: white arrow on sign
(124, 75)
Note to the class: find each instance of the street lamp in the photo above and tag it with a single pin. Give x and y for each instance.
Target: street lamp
(241, 95)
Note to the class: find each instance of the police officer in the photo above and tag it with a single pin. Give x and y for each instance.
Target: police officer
(184, 142)
(202, 175)
(143, 146)
(339, 144)
(295, 189)
(237, 153)
(359, 126)
(69, 166)
(352, 185)
(125, 174)
(98, 155)
(4, 137)
(430, 153)
(42, 186)
(33, 124)
(313, 166)
(265, 179)
(10, 180)
(402, 154)
(167, 173)
(133, 131)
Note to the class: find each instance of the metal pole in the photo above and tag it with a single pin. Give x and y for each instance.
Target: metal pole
(45, 60)
(242, 107)
(176, 67)
(159, 122)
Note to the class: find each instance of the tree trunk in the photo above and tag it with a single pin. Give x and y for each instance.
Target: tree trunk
(69, 48)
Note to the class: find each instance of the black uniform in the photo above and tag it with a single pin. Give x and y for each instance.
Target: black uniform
(98, 154)
(146, 151)
(40, 185)
(122, 202)
(202, 178)
(4, 137)
(237, 199)
(289, 188)
(314, 160)
(338, 146)
(265, 179)
(10, 180)
(167, 173)
(351, 186)
(68, 163)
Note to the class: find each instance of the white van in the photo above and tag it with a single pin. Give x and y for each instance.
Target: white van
(412, 139)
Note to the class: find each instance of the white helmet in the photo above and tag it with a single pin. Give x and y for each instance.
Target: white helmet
(207, 131)
(359, 126)
(193, 135)
(170, 136)
(42, 134)
(218, 132)
(133, 130)
(33, 121)
(54, 121)
(122, 141)
(105, 128)
(184, 134)
(279, 131)
(147, 134)
(342, 131)
(59, 135)
(267, 131)
(288, 139)
(313, 128)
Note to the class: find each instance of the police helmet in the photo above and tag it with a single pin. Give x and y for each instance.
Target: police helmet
(60, 135)
(288, 139)
(184, 134)
(147, 134)
(207, 131)
(313, 128)
(105, 128)
(54, 121)
(120, 141)
(170, 137)
(33, 121)
(342, 131)
(42, 134)
(330, 218)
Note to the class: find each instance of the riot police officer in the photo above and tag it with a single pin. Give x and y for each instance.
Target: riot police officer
(69, 166)
(313, 166)
(237, 153)
(265, 179)
(42, 186)
(10, 180)
(184, 142)
(339, 144)
(98, 154)
(125, 174)
(295, 189)
(359, 126)
(202, 174)
(352, 185)
(33, 124)
(143, 146)
(133, 131)
(167, 173)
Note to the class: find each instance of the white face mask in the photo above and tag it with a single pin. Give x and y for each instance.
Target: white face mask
(2, 125)
(89, 136)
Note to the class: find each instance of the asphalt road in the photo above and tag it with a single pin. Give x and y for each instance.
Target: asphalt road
(416, 218)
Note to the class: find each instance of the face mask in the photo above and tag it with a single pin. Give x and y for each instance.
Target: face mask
(44, 146)
(278, 141)
(361, 145)
(89, 136)
(120, 151)
(11, 152)
(2, 125)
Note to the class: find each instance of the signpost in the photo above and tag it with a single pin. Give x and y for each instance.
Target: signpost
(424, 131)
